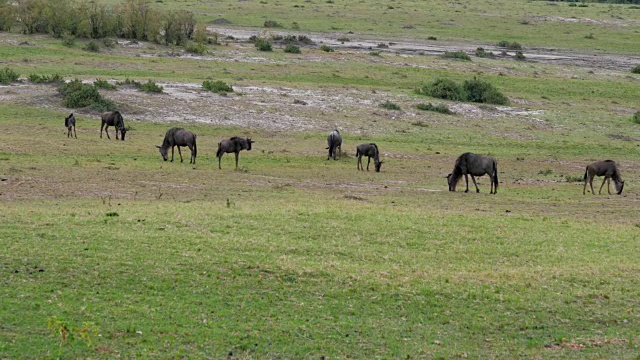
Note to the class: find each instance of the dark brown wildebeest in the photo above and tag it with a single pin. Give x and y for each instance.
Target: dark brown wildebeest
(474, 165)
(179, 137)
(606, 168)
(370, 151)
(233, 145)
(113, 118)
(334, 142)
(70, 123)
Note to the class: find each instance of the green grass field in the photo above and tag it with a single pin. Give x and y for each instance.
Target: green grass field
(109, 252)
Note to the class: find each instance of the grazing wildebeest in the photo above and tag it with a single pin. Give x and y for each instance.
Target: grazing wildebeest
(474, 165)
(179, 137)
(370, 151)
(70, 123)
(334, 141)
(113, 118)
(233, 145)
(606, 168)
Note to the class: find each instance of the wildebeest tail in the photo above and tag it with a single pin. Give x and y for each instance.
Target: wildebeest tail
(219, 152)
(195, 147)
(586, 171)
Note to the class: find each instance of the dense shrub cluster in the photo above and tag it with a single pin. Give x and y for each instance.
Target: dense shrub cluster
(104, 84)
(327, 48)
(217, 86)
(390, 105)
(7, 15)
(292, 49)
(636, 69)
(460, 55)
(481, 52)
(79, 95)
(263, 44)
(44, 79)
(7, 76)
(509, 45)
(636, 117)
(472, 90)
(132, 19)
(151, 86)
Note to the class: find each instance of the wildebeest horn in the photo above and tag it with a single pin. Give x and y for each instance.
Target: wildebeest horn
(158, 147)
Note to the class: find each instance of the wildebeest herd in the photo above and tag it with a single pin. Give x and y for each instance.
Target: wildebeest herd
(465, 165)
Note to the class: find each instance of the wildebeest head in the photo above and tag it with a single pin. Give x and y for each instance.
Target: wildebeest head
(619, 186)
(164, 152)
(452, 180)
(249, 142)
(378, 166)
(123, 132)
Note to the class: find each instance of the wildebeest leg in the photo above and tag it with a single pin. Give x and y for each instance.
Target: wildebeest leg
(466, 179)
(102, 126)
(180, 153)
(106, 130)
(368, 162)
(237, 153)
(584, 188)
(591, 184)
(192, 160)
(603, 181)
(359, 161)
(172, 152)
(74, 131)
(220, 158)
(474, 183)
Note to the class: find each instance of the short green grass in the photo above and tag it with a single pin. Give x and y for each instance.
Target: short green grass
(293, 256)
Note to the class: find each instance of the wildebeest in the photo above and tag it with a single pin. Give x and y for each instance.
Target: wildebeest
(70, 123)
(334, 141)
(179, 137)
(233, 145)
(606, 168)
(113, 118)
(370, 151)
(474, 165)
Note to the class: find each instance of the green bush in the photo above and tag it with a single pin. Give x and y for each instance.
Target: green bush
(7, 15)
(460, 55)
(327, 48)
(217, 86)
(79, 95)
(444, 89)
(483, 92)
(151, 86)
(636, 117)
(520, 55)
(128, 82)
(292, 49)
(442, 108)
(272, 24)
(636, 69)
(92, 46)
(509, 45)
(109, 43)
(43, 79)
(104, 84)
(481, 52)
(263, 45)
(69, 40)
(390, 105)
(196, 48)
(7, 76)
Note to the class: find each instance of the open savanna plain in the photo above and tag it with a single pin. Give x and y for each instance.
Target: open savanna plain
(109, 252)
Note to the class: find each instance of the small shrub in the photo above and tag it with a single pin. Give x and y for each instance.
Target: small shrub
(151, 86)
(583, 5)
(432, 38)
(7, 76)
(636, 117)
(92, 46)
(520, 56)
(128, 82)
(217, 86)
(442, 108)
(460, 55)
(509, 45)
(305, 39)
(109, 43)
(272, 24)
(545, 172)
(196, 48)
(263, 45)
(295, 26)
(636, 69)
(483, 92)
(573, 5)
(104, 84)
(343, 39)
(571, 178)
(390, 105)
(482, 53)
(79, 95)
(44, 79)
(444, 89)
(68, 40)
(292, 49)
(375, 53)
(590, 36)
(327, 48)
